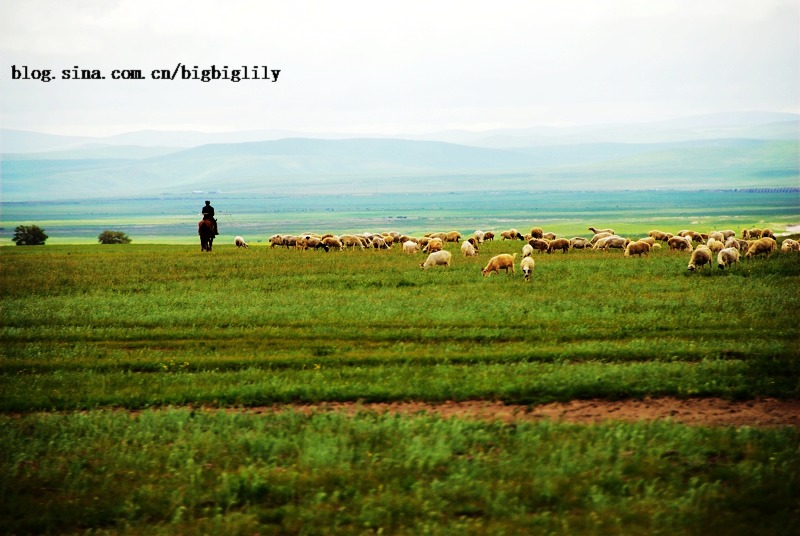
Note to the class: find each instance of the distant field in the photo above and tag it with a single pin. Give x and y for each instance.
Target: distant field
(173, 219)
(109, 352)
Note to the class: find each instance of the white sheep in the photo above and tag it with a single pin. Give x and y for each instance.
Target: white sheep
(527, 250)
(526, 265)
(467, 249)
(239, 241)
(437, 258)
(410, 247)
(727, 257)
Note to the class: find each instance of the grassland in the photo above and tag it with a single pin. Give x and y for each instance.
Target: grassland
(88, 331)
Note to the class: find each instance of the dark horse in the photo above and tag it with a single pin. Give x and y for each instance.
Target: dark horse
(206, 231)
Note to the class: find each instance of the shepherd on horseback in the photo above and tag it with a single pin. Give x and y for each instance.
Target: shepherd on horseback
(208, 212)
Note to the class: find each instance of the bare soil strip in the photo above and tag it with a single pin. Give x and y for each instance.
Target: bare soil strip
(693, 411)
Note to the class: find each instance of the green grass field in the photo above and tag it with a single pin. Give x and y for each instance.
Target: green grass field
(89, 330)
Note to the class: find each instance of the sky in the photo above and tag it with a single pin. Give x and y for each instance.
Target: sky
(395, 67)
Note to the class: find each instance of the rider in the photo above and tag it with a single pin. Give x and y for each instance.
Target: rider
(208, 213)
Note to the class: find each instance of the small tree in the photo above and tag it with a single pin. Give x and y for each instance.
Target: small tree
(113, 237)
(29, 235)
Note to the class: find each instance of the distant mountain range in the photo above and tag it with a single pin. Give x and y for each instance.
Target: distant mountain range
(718, 151)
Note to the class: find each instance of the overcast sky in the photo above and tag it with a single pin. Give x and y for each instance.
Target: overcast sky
(413, 67)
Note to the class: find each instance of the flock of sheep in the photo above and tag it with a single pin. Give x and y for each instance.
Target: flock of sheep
(724, 244)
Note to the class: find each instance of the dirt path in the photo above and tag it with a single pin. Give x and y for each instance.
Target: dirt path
(702, 411)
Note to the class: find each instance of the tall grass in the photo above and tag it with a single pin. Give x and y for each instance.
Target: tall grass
(195, 472)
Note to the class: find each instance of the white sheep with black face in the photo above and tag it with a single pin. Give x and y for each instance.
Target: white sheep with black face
(526, 265)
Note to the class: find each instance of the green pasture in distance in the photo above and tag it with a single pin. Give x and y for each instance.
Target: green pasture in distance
(173, 219)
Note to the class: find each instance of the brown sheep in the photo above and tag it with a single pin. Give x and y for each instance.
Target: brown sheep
(767, 233)
(790, 245)
(511, 234)
(700, 257)
(599, 231)
(333, 242)
(504, 261)
(660, 235)
(452, 236)
(539, 244)
(637, 248)
(579, 242)
(488, 235)
(536, 232)
(434, 244)
(560, 243)
(762, 246)
(679, 243)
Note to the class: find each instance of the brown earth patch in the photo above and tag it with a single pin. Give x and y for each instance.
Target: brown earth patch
(692, 411)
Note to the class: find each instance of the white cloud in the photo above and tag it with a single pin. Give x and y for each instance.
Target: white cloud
(410, 66)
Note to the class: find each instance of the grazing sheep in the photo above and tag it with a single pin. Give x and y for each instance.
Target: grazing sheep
(437, 258)
(599, 231)
(715, 245)
(468, 248)
(693, 236)
(616, 242)
(333, 243)
(637, 248)
(679, 243)
(538, 244)
(549, 236)
(526, 265)
(716, 235)
(767, 233)
(410, 247)
(434, 244)
(790, 245)
(378, 242)
(751, 234)
(727, 233)
(527, 250)
(352, 241)
(488, 235)
(600, 236)
(511, 234)
(452, 236)
(734, 242)
(536, 232)
(727, 257)
(275, 240)
(504, 261)
(660, 235)
(579, 242)
(240, 243)
(478, 236)
(309, 241)
(560, 243)
(762, 246)
(700, 257)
